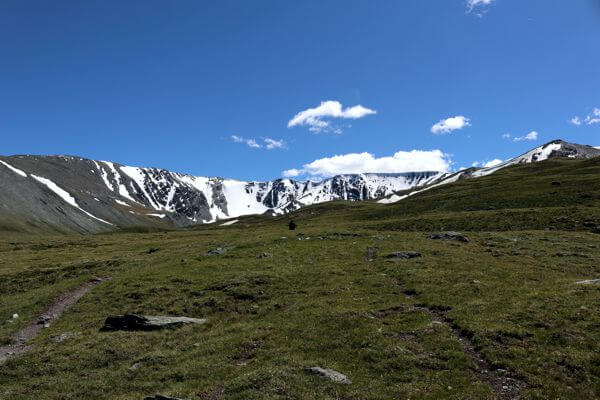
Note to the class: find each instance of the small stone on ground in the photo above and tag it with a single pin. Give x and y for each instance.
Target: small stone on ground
(330, 374)
(588, 282)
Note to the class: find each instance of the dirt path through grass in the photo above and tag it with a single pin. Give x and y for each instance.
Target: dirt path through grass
(45, 319)
(506, 385)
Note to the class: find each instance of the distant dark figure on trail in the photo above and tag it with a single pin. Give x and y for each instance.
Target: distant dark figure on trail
(292, 225)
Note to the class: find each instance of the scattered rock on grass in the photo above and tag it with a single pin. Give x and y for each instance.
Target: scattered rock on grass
(589, 282)
(15, 316)
(217, 251)
(62, 337)
(134, 367)
(152, 250)
(371, 253)
(330, 374)
(451, 235)
(264, 255)
(403, 255)
(133, 322)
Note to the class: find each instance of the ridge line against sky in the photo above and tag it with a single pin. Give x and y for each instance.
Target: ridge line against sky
(257, 91)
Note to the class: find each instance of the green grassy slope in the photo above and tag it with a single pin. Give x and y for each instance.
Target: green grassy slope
(316, 301)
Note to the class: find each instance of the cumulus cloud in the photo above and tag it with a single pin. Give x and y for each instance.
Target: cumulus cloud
(450, 124)
(317, 119)
(355, 163)
(269, 143)
(533, 135)
(506, 136)
(292, 173)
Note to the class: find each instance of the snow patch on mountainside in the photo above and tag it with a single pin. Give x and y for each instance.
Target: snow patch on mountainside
(13, 169)
(157, 215)
(63, 194)
(396, 198)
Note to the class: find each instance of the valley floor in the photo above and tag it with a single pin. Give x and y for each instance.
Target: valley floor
(499, 317)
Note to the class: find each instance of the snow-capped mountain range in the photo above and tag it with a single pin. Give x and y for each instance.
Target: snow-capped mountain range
(84, 195)
(75, 194)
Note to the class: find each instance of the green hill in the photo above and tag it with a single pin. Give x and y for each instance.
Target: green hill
(500, 316)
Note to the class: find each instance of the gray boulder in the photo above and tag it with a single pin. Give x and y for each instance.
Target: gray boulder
(330, 374)
(217, 251)
(450, 235)
(133, 322)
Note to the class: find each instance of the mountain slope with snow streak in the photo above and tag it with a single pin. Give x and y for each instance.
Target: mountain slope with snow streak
(553, 149)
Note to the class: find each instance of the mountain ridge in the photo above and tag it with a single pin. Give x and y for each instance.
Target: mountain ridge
(76, 194)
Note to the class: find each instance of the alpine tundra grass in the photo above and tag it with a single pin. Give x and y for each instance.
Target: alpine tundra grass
(507, 313)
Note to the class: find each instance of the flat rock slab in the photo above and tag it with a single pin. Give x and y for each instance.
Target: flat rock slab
(330, 374)
(403, 255)
(216, 252)
(589, 282)
(133, 322)
(451, 235)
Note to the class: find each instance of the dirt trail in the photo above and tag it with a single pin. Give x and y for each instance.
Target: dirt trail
(45, 319)
(506, 385)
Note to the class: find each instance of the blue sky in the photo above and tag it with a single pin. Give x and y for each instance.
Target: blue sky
(250, 89)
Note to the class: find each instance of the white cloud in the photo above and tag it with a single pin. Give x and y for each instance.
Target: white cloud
(274, 144)
(533, 135)
(590, 119)
(473, 4)
(249, 142)
(292, 173)
(315, 118)
(450, 124)
(354, 163)
(270, 144)
(492, 163)
(252, 143)
(575, 121)
(594, 117)
(506, 136)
